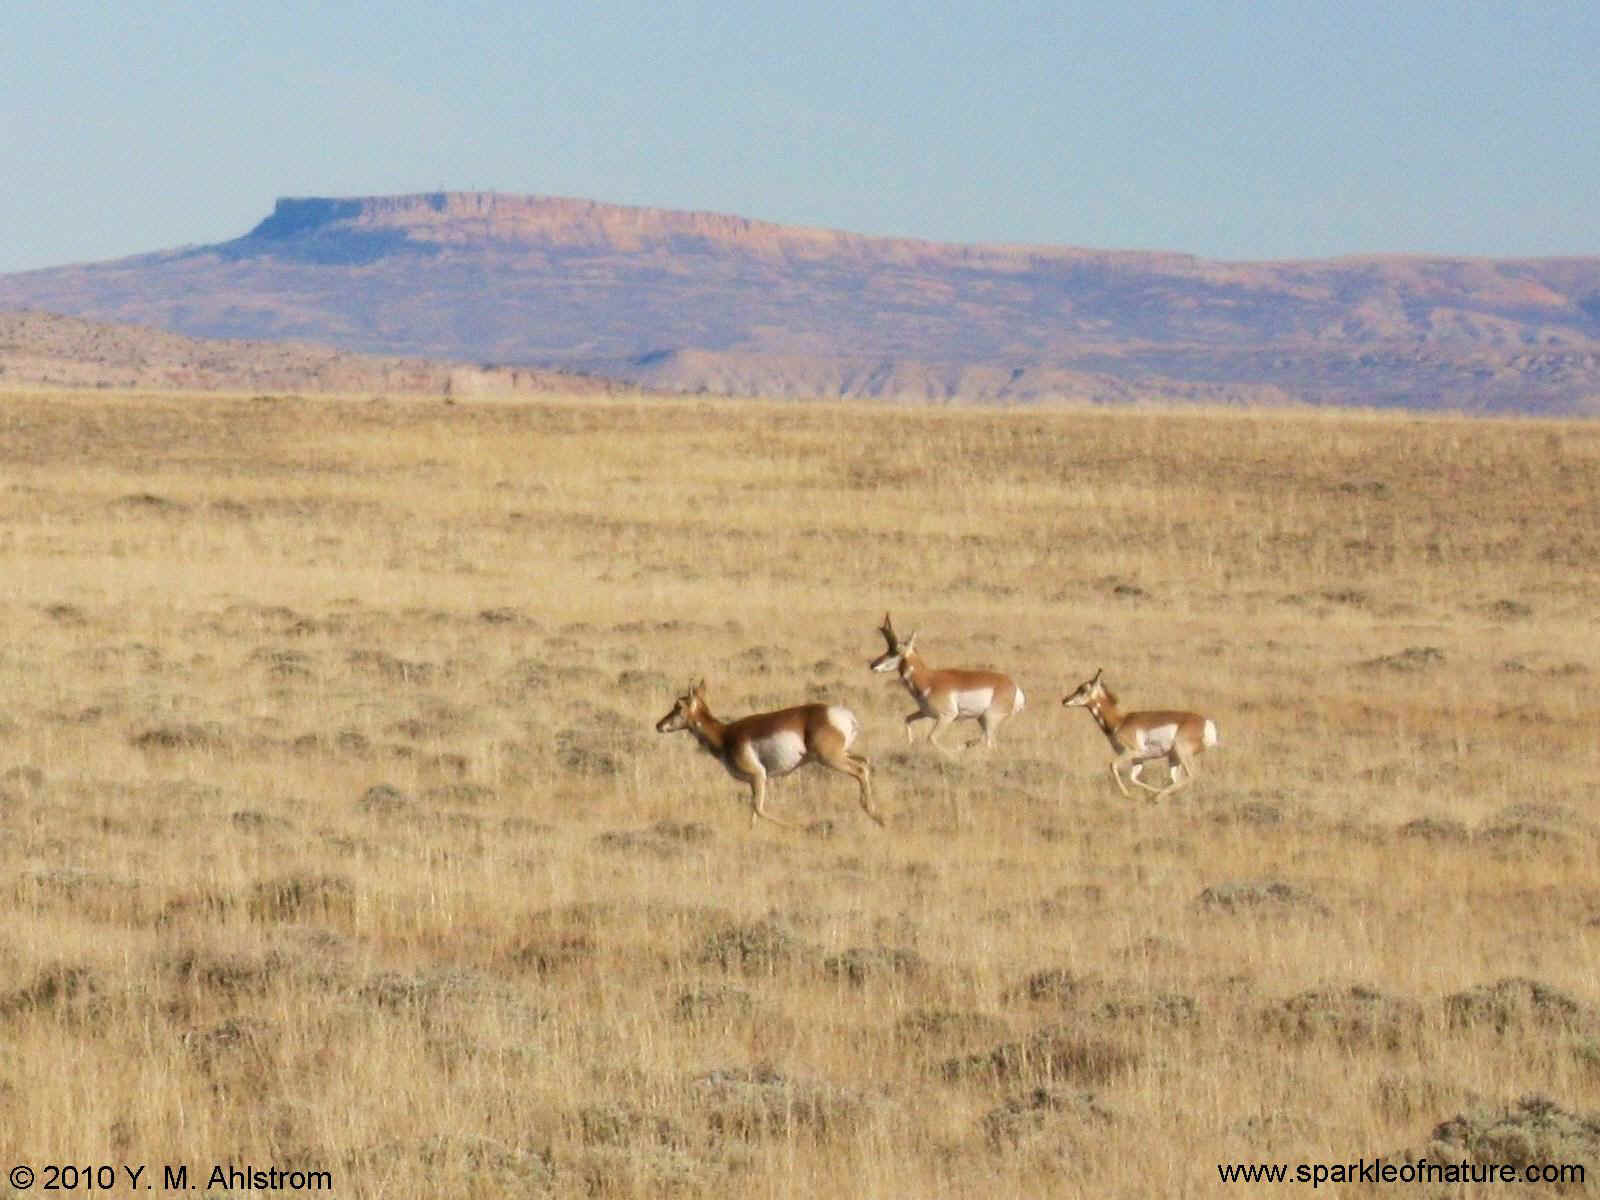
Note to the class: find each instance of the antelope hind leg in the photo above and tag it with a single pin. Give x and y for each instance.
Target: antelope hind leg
(862, 770)
(988, 722)
(1183, 773)
(831, 753)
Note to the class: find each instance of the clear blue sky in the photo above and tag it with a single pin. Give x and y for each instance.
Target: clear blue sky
(1243, 130)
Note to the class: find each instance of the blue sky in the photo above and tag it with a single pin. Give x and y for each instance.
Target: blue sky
(1274, 129)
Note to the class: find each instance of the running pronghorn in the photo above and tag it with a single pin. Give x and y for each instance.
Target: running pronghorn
(948, 695)
(768, 745)
(1142, 737)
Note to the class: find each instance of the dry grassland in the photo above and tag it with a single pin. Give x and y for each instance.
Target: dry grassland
(336, 834)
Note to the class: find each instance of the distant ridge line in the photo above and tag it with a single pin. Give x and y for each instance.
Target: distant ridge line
(539, 217)
(703, 301)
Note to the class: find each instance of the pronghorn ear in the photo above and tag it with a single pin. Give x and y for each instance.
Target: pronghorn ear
(910, 641)
(699, 690)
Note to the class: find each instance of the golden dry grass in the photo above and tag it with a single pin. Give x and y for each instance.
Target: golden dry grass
(337, 836)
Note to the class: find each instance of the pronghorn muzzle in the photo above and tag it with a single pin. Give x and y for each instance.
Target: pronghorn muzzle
(675, 720)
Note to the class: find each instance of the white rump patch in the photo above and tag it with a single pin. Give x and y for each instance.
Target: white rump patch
(781, 753)
(842, 719)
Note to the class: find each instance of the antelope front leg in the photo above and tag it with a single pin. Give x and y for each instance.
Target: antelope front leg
(1138, 766)
(758, 802)
(1116, 777)
(942, 722)
(911, 721)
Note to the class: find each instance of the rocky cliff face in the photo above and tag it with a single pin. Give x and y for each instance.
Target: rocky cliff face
(701, 300)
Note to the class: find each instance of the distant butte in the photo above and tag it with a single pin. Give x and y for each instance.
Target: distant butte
(691, 300)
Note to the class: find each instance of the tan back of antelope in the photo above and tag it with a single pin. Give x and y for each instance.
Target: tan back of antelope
(948, 695)
(765, 746)
(1138, 738)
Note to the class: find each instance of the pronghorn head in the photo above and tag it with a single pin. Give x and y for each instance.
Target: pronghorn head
(1089, 694)
(688, 706)
(897, 650)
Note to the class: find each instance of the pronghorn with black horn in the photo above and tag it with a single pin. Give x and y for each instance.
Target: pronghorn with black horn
(948, 695)
(1143, 737)
(767, 745)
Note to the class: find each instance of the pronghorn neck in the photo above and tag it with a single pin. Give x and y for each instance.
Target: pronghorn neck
(708, 731)
(914, 673)
(1108, 716)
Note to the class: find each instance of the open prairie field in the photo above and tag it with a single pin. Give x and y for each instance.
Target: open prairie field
(338, 837)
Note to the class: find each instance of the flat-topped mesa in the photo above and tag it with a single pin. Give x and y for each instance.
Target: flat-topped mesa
(460, 217)
(445, 218)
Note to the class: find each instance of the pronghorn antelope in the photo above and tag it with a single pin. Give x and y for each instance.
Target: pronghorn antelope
(947, 695)
(1142, 737)
(768, 745)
